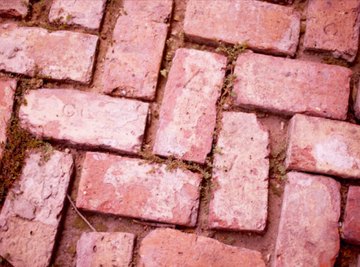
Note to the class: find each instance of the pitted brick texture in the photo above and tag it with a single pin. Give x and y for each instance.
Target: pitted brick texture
(14, 8)
(351, 224)
(154, 10)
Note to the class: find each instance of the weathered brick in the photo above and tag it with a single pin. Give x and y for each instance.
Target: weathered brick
(154, 10)
(32, 211)
(240, 175)
(105, 249)
(358, 261)
(351, 225)
(135, 188)
(188, 111)
(132, 62)
(357, 102)
(14, 8)
(7, 90)
(167, 247)
(85, 118)
(79, 12)
(60, 55)
(288, 86)
(323, 146)
(263, 26)
(308, 231)
(333, 26)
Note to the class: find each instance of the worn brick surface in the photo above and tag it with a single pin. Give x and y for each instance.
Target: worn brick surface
(135, 188)
(288, 86)
(308, 230)
(14, 8)
(240, 175)
(32, 211)
(351, 224)
(333, 26)
(167, 247)
(357, 102)
(105, 249)
(263, 26)
(154, 10)
(188, 111)
(323, 146)
(85, 118)
(79, 12)
(60, 55)
(133, 60)
(7, 90)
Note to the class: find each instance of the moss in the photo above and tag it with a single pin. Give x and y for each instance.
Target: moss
(101, 227)
(79, 223)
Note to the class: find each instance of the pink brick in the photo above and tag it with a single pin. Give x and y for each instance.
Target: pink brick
(188, 111)
(333, 26)
(59, 55)
(323, 146)
(358, 262)
(240, 175)
(7, 90)
(167, 247)
(308, 231)
(132, 62)
(263, 26)
(14, 8)
(32, 211)
(288, 86)
(105, 249)
(351, 224)
(85, 118)
(79, 12)
(135, 188)
(357, 103)
(154, 10)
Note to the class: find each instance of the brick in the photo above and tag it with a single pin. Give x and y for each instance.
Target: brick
(167, 247)
(188, 111)
(237, 21)
(155, 10)
(105, 249)
(333, 26)
(7, 90)
(32, 211)
(240, 175)
(287, 86)
(357, 103)
(358, 262)
(351, 224)
(135, 188)
(323, 146)
(79, 12)
(59, 55)
(132, 62)
(308, 230)
(14, 8)
(84, 118)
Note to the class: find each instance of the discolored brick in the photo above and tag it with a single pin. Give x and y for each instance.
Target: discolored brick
(135, 188)
(351, 224)
(287, 86)
(323, 146)
(14, 8)
(240, 175)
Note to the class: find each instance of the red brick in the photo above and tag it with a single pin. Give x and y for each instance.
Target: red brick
(323, 146)
(308, 231)
(333, 26)
(32, 211)
(167, 247)
(263, 26)
(85, 118)
(154, 10)
(105, 249)
(358, 262)
(79, 12)
(59, 55)
(14, 8)
(351, 224)
(188, 111)
(132, 62)
(357, 103)
(288, 86)
(135, 188)
(240, 175)
(7, 90)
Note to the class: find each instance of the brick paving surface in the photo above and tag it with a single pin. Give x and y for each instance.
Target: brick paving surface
(179, 133)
